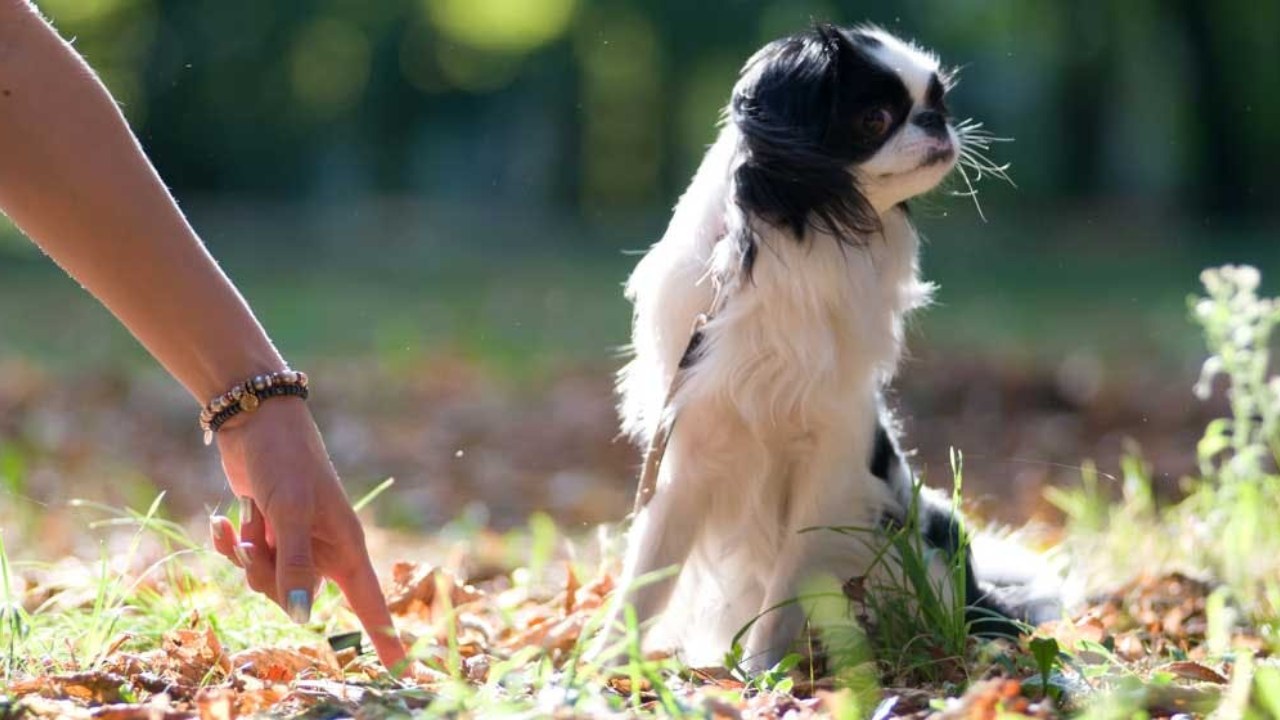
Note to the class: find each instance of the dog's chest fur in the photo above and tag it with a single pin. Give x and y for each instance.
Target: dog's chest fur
(798, 345)
(803, 344)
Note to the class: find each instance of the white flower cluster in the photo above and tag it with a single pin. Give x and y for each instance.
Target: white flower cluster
(1237, 326)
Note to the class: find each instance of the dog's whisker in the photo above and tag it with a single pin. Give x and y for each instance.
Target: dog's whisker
(982, 140)
(985, 164)
(973, 193)
(982, 164)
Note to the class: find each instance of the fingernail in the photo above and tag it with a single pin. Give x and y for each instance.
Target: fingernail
(215, 527)
(298, 605)
(242, 554)
(246, 510)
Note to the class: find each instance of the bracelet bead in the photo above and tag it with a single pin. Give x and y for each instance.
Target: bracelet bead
(247, 396)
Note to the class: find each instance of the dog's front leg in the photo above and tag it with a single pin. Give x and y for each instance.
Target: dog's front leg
(782, 616)
(660, 539)
(828, 491)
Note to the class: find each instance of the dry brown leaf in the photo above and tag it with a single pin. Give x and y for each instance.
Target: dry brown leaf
(252, 702)
(622, 684)
(1195, 671)
(215, 704)
(717, 676)
(325, 659)
(556, 637)
(1129, 646)
(721, 710)
(412, 584)
(280, 665)
(345, 657)
(992, 699)
(416, 590)
(570, 589)
(193, 654)
(600, 587)
(89, 687)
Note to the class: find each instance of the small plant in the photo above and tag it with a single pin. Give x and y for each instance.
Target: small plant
(1237, 327)
(1240, 489)
(921, 626)
(1225, 526)
(1046, 654)
(911, 600)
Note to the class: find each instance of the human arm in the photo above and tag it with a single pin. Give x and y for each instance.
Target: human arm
(75, 180)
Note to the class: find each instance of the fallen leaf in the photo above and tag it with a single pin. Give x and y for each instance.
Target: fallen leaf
(570, 589)
(1194, 671)
(215, 704)
(281, 665)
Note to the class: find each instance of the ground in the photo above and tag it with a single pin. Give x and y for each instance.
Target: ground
(113, 605)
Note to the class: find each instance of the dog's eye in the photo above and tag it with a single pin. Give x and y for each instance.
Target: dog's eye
(877, 122)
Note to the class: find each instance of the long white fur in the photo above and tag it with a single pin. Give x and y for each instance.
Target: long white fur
(775, 420)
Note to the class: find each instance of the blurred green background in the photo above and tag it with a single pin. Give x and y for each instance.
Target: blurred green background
(429, 203)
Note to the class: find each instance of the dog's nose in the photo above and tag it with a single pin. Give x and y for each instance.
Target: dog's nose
(932, 122)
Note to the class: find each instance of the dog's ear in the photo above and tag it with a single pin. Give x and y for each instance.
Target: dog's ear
(791, 109)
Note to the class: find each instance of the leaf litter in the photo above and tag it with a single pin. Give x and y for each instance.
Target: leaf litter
(502, 644)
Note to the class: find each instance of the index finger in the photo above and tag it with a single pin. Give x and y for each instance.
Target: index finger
(360, 586)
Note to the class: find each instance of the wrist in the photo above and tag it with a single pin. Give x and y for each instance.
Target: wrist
(225, 373)
(287, 409)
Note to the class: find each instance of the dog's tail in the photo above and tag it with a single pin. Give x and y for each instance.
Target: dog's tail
(1012, 583)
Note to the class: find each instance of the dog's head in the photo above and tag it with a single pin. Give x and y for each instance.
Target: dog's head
(838, 126)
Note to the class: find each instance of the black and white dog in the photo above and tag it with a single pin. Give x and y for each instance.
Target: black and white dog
(795, 230)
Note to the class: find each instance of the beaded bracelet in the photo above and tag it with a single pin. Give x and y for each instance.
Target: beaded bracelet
(248, 395)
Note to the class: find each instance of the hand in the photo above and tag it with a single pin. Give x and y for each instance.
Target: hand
(302, 526)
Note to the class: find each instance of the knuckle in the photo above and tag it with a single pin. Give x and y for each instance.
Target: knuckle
(297, 561)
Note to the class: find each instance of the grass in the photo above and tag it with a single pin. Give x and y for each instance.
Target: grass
(1182, 609)
(1224, 530)
(1225, 526)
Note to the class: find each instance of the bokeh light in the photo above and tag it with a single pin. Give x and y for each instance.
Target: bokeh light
(329, 65)
(514, 26)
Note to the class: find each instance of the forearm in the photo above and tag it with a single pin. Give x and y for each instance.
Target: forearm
(75, 180)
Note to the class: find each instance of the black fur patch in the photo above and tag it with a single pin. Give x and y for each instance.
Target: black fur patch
(936, 98)
(942, 529)
(690, 355)
(890, 522)
(799, 106)
(932, 122)
(883, 454)
(986, 616)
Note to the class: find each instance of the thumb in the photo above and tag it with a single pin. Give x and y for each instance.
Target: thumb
(295, 569)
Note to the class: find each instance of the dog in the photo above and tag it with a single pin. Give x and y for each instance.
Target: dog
(767, 322)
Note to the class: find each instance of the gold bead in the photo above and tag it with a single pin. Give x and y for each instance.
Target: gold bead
(249, 402)
(289, 377)
(302, 379)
